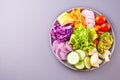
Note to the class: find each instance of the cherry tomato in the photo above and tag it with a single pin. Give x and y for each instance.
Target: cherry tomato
(99, 32)
(100, 20)
(105, 27)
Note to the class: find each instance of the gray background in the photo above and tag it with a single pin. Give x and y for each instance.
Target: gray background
(25, 51)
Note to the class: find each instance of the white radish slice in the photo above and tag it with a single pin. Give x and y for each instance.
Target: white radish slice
(84, 12)
(91, 12)
(90, 17)
(90, 21)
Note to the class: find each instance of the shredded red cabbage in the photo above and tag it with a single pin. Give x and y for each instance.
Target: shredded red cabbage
(61, 33)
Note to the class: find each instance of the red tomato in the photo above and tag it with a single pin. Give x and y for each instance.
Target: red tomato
(99, 32)
(100, 20)
(105, 27)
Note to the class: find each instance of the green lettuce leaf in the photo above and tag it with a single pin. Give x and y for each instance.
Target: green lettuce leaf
(82, 38)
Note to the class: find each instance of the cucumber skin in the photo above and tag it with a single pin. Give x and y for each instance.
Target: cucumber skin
(81, 57)
(80, 66)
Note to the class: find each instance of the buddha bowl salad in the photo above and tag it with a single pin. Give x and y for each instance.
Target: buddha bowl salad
(82, 38)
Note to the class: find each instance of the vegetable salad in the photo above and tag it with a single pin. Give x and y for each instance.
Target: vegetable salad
(82, 38)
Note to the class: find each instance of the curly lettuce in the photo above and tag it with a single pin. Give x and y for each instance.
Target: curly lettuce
(82, 38)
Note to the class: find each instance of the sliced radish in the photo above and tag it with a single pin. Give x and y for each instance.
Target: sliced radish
(84, 12)
(91, 12)
(55, 45)
(90, 17)
(63, 47)
(57, 53)
(90, 25)
(90, 21)
(68, 46)
(63, 55)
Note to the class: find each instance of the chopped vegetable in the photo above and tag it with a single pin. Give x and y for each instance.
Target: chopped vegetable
(61, 33)
(77, 16)
(106, 55)
(83, 38)
(91, 52)
(73, 58)
(65, 18)
(89, 17)
(68, 46)
(105, 27)
(105, 42)
(80, 65)
(61, 49)
(95, 61)
(92, 34)
(63, 55)
(100, 19)
(81, 53)
(57, 53)
(73, 17)
(102, 26)
(87, 62)
(97, 28)
(55, 45)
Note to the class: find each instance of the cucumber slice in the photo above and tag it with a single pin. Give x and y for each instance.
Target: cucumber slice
(73, 58)
(82, 54)
(80, 65)
(87, 62)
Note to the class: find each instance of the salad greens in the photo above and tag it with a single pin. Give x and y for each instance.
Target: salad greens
(82, 38)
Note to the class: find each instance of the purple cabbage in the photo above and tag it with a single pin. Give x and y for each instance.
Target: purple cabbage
(61, 33)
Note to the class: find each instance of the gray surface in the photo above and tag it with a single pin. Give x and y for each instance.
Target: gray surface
(25, 52)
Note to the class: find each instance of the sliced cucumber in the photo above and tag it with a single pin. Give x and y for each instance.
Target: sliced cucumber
(73, 58)
(82, 54)
(87, 62)
(80, 65)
